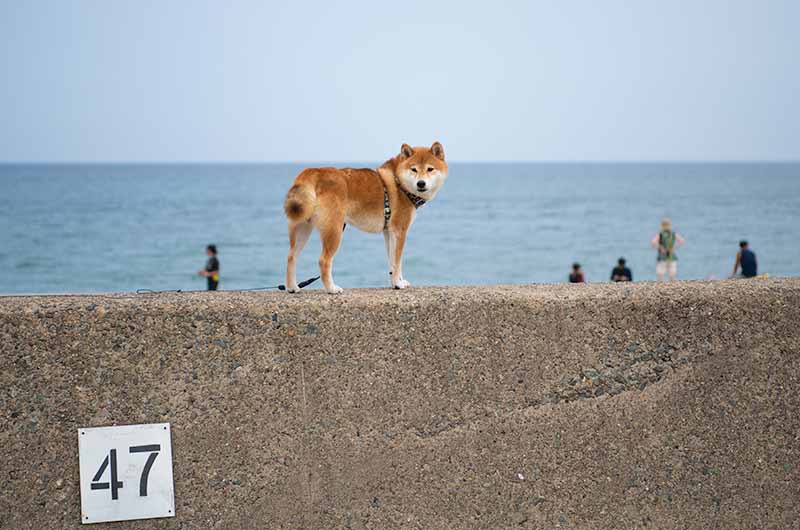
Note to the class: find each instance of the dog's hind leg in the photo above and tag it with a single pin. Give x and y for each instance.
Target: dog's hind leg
(298, 237)
(331, 236)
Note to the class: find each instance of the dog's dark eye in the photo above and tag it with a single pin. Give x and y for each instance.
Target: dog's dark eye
(413, 170)
(430, 170)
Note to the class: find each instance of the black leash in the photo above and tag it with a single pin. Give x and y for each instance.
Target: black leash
(280, 287)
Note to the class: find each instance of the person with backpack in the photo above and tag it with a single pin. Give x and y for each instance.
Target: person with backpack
(666, 242)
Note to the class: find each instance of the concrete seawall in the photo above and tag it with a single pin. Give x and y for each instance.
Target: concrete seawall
(597, 406)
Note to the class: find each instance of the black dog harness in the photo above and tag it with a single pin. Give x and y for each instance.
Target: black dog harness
(387, 210)
(416, 200)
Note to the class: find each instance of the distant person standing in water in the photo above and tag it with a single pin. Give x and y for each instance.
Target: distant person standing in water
(746, 259)
(211, 272)
(576, 276)
(621, 273)
(667, 241)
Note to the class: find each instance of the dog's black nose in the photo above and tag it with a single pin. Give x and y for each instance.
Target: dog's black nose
(421, 184)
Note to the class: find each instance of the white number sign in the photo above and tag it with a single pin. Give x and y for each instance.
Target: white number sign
(126, 473)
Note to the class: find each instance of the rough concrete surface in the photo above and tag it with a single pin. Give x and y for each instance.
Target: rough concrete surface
(570, 406)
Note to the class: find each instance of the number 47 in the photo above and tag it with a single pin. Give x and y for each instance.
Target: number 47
(115, 484)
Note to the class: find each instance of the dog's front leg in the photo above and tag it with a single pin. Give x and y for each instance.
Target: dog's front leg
(399, 240)
(388, 238)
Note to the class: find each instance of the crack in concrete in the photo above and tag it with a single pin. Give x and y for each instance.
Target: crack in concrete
(630, 372)
(307, 470)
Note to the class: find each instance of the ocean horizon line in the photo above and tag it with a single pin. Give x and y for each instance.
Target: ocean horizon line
(732, 161)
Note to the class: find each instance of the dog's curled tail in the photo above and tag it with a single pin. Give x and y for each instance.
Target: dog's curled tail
(299, 203)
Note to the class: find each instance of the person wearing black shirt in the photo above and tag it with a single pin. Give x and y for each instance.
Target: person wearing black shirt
(576, 276)
(211, 272)
(621, 273)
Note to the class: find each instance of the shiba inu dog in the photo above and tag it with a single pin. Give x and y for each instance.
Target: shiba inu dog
(383, 200)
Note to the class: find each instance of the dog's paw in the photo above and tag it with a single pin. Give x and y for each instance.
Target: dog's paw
(334, 290)
(292, 289)
(402, 284)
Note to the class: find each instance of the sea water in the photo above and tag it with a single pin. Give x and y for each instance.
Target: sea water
(112, 228)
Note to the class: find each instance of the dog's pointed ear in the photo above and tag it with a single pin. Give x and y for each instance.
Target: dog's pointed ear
(406, 151)
(437, 150)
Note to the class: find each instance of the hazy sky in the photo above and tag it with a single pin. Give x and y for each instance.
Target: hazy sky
(337, 80)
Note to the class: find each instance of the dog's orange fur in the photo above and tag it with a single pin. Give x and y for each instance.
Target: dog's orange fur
(327, 198)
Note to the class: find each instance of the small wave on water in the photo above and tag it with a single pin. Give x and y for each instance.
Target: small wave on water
(28, 264)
